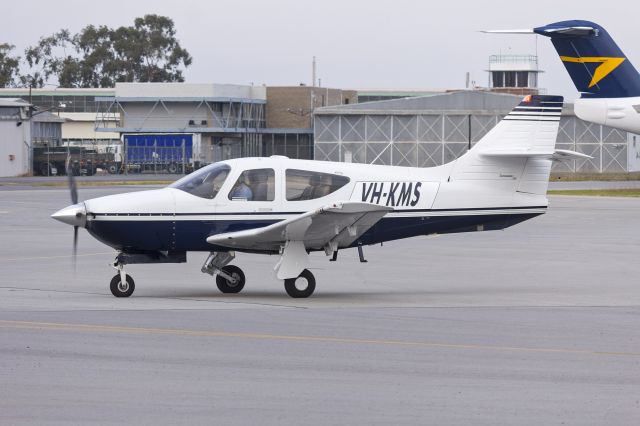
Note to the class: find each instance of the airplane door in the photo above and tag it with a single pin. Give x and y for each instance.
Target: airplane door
(253, 198)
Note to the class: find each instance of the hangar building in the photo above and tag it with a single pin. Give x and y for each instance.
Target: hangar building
(432, 130)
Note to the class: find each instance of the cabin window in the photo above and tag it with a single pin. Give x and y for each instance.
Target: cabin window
(254, 185)
(307, 185)
(204, 183)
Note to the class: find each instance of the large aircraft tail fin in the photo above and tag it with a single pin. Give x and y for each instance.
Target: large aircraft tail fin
(516, 155)
(597, 66)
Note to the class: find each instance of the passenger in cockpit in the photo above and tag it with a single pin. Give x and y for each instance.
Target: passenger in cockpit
(242, 191)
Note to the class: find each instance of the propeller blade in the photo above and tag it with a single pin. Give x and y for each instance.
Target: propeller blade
(72, 182)
(75, 246)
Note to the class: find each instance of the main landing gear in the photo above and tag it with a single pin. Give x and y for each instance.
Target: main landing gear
(302, 286)
(231, 279)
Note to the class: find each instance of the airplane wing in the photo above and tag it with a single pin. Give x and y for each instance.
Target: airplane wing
(339, 223)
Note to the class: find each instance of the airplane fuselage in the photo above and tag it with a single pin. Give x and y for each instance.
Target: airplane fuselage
(619, 113)
(424, 201)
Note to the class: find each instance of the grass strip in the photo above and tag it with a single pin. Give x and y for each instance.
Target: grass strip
(633, 192)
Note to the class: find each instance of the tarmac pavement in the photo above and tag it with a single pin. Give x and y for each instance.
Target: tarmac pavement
(537, 324)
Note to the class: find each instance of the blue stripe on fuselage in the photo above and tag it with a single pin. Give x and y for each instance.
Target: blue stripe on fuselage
(191, 235)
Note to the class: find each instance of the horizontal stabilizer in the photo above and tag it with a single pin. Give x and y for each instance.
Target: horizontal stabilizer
(568, 31)
(527, 31)
(565, 154)
(556, 154)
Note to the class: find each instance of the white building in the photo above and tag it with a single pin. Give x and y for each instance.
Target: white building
(16, 136)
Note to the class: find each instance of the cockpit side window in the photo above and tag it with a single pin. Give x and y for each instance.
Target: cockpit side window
(204, 183)
(307, 185)
(254, 185)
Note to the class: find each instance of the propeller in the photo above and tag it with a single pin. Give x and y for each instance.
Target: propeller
(73, 188)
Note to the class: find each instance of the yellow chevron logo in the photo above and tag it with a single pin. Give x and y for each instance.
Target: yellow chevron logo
(607, 65)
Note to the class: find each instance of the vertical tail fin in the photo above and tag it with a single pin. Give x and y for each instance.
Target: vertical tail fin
(597, 66)
(515, 156)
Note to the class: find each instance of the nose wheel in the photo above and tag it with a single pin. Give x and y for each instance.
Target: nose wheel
(120, 287)
(302, 286)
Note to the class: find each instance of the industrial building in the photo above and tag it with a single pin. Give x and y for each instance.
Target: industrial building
(223, 120)
(78, 108)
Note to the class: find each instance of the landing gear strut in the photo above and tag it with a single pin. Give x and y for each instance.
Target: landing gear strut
(229, 278)
(302, 286)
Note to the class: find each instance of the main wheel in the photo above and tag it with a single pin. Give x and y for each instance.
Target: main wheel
(120, 289)
(301, 287)
(227, 286)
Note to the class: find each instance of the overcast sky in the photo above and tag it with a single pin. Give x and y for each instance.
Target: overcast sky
(358, 44)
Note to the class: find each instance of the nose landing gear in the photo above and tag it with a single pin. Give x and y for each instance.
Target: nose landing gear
(122, 285)
(122, 288)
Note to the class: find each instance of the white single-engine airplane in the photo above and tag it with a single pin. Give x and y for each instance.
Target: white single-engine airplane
(608, 83)
(290, 207)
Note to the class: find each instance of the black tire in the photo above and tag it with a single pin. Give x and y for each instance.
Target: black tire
(173, 168)
(297, 292)
(112, 169)
(226, 286)
(122, 290)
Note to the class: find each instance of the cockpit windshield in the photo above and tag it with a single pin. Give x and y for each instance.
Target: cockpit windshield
(204, 183)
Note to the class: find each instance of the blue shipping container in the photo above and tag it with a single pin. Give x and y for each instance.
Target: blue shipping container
(158, 149)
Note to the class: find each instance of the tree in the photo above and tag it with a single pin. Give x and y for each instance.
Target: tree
(97, 67)
(149, 51)
(9, 65)
(47, 58)
(100, 56)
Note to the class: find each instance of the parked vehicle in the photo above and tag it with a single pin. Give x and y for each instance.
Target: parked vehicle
(51, 161)
(170, 153)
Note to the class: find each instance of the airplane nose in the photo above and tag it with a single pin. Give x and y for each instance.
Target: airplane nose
(75, 215)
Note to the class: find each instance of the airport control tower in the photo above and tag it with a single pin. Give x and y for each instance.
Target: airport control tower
(516, 74)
